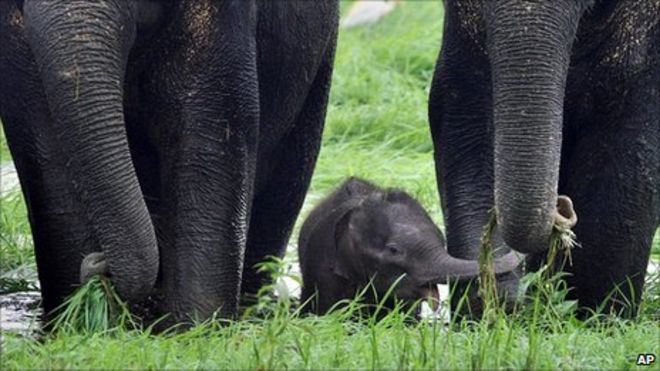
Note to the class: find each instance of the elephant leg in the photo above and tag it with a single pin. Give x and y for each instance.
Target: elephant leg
(60, 232)
(61, 235)
(81, 49)
(208, 160)
(460, 114)
(613, 177)
(277, 205)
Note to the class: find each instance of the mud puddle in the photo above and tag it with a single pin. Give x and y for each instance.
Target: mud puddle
(20, 312)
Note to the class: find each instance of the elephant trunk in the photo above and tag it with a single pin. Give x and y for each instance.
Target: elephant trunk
(529, 45)
(447, 267)
(81, 49)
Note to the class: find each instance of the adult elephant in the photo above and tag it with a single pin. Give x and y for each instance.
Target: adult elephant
(174, 139)
(535, 99)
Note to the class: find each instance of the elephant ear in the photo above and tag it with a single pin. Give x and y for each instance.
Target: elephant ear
(357, 188)
(342, 241)
(349, 239)
(341, 238)
(326, 224)
(323, 231)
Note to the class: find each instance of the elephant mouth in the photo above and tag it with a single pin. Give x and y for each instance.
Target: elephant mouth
(432, 295)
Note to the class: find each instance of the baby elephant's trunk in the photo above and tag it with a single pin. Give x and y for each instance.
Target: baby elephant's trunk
(447, 267)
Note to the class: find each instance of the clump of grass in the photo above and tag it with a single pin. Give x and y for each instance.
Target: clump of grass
(562, 240)
(93, 307)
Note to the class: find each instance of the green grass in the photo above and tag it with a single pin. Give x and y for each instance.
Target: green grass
(15, 240)
(284, 341)
(93, 307)
(377, 129)
(541, 335)
(4, 150)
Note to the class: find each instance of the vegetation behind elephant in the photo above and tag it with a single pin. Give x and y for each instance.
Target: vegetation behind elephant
(532, 99)
(362, 234)
(177, 139)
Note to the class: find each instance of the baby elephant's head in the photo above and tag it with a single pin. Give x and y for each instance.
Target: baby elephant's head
(388, 236)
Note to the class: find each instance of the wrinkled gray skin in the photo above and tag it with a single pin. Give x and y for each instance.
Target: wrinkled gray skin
(176, 139)
(535, 99)
(361, 232)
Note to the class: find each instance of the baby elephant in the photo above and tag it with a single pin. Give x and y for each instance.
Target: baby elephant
(362, 233)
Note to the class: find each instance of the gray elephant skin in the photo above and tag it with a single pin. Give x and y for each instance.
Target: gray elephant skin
(535, 99)
(363, 234)
(177, 138)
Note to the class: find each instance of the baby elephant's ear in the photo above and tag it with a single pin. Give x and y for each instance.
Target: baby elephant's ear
(356, 187)
(341, 269)
(345, 253)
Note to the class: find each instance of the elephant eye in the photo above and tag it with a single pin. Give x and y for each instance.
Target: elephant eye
(393, 249)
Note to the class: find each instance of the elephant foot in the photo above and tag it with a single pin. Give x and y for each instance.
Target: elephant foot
(92, 265)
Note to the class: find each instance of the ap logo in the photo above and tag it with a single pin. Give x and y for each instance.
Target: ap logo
(645, 359)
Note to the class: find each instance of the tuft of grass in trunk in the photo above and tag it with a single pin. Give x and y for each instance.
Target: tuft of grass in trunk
(487, 281)
(562, 241)
(93, 307)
